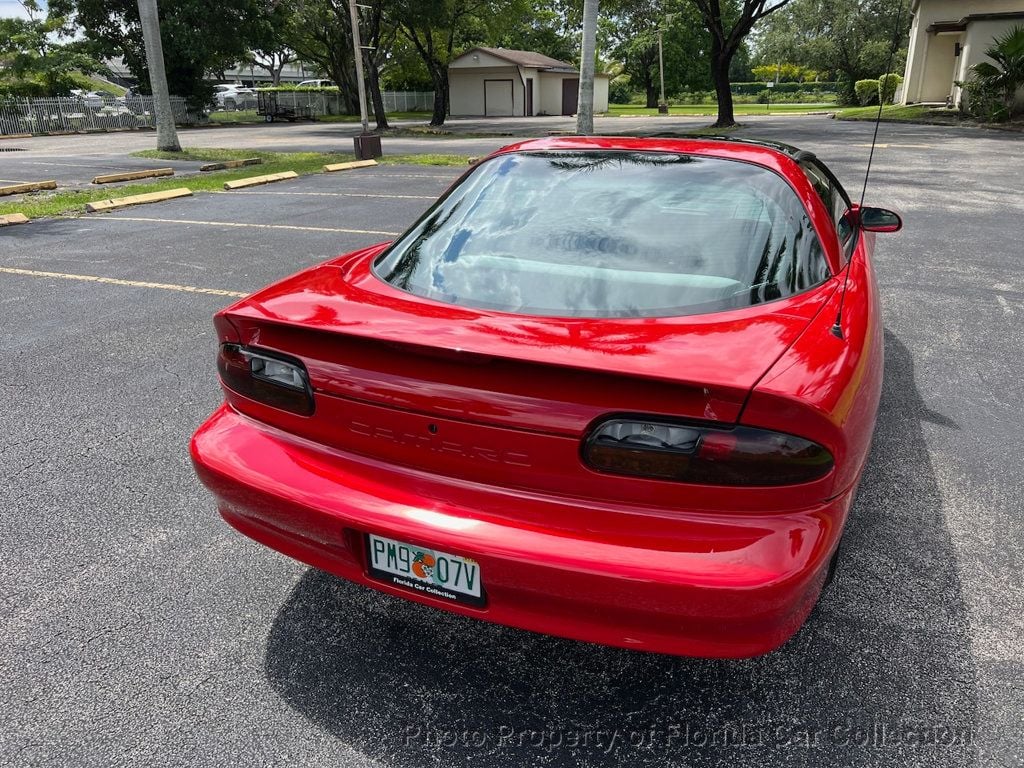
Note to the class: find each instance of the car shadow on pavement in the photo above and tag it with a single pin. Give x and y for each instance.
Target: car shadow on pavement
(881, 675)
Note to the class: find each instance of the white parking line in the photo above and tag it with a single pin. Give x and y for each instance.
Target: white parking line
(243, 225)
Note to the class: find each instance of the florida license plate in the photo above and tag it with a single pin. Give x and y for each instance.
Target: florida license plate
(426, 571)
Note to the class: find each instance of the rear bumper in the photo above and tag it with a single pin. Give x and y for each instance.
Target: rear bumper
(731, 585)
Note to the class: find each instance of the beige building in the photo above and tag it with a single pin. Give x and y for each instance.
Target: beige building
(947, 38)
(498, 82)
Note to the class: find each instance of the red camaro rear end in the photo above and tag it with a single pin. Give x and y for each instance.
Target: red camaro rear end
(617, 390)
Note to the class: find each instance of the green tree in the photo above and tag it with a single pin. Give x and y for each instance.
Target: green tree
(34, 61)
(686, 46)
(195, 39)
(850, 38)
(545, 29)
(439, 29)
(729, 22)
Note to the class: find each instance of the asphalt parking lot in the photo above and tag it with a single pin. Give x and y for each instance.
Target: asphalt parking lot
(139, 630)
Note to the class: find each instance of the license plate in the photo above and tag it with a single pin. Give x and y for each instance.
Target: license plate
(426, 571)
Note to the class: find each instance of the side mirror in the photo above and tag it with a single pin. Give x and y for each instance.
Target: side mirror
(880, 220)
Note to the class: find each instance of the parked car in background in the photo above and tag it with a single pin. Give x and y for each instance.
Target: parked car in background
(231, 96)
(90, 99)
(316, 84)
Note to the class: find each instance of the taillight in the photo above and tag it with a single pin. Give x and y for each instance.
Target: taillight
(267, 377)
(738, 456)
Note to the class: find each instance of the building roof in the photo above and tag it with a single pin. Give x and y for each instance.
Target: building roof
(961, 25)
(530, 59)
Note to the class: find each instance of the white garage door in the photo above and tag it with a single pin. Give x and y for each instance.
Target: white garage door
(498, 98)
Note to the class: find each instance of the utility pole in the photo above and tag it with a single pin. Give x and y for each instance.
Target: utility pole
(585, 101)
(166, 134)
(367, 145)
(662, 105)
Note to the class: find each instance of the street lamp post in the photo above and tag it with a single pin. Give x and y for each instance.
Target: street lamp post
(367, 145)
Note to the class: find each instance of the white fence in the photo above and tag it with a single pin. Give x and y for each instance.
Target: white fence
(92, 113)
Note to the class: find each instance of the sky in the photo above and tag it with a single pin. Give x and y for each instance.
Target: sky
(10, 8)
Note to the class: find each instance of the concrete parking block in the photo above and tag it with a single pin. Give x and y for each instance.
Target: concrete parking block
(231, 164)
(132, 175)
(114, 204)
(32, 186)
(253, 181)
(332, 167)
(13, 218)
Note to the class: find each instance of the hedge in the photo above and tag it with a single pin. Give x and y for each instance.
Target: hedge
(867, 92)
(887, 85)
(296, 89)
(753, 89)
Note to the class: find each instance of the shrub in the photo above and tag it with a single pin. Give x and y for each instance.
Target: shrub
(887, 85)
(867, 92)
(621, 90)
(1003, 76)
(984, 101)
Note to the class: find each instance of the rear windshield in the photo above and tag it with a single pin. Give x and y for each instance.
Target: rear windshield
(610, 234)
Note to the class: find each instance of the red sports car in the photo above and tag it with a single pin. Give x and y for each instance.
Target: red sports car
(617, 390)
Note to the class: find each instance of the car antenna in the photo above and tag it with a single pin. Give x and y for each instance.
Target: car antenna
(837, 329)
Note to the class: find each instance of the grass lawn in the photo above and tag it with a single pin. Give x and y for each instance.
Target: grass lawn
(628, 110)
(42, 204)
(894, 113)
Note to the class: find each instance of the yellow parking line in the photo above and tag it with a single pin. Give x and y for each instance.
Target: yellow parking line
(116, 281)
(898, 146)
(242, 224)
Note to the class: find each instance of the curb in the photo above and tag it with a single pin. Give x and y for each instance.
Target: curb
(113, 204)
(34, 186)
(132, 175)
(253, 181)
(231, 164)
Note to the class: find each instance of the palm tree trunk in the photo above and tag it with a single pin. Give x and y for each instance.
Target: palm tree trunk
(585, 106)
(166, 134)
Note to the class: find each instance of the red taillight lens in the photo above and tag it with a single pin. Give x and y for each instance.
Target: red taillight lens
(266, 377)
(737, 456)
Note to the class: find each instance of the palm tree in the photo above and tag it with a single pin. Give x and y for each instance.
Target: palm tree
(1006, 75)
(585, 102)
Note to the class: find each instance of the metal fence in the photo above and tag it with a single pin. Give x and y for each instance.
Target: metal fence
(316, 103)
(60, 114)
(407, 101)
(63, 114)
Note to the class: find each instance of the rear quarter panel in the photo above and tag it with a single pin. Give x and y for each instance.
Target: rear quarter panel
(827, 387)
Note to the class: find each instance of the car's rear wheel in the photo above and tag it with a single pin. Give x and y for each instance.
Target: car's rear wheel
(229, 104)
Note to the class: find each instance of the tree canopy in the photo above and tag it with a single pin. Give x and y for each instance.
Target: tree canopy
(197, 38)
(33, 59)
(851, 39)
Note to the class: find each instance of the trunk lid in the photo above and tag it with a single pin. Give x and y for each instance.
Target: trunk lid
(497, 397)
